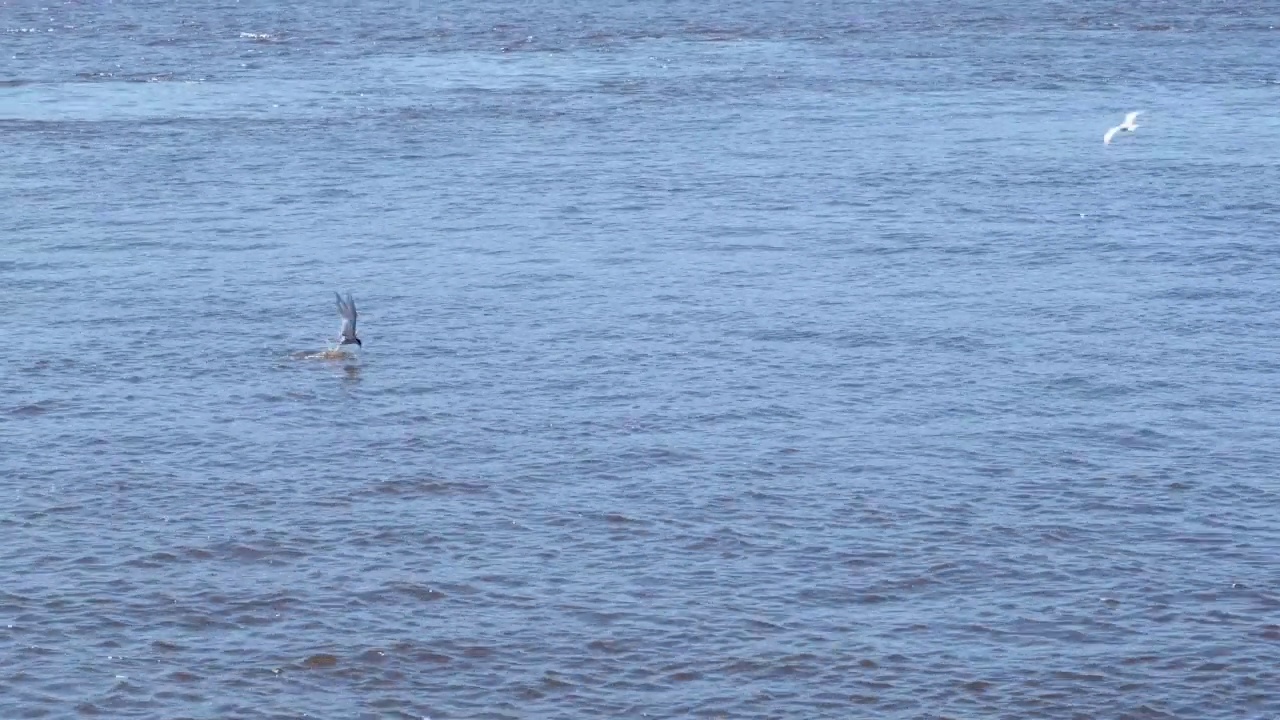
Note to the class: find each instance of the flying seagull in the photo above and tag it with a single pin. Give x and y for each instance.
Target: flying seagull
(347, 309)
(1127, 126)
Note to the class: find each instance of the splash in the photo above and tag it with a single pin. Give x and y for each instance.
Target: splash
(338, 354)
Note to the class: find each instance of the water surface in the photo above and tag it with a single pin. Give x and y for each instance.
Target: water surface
(731, 360)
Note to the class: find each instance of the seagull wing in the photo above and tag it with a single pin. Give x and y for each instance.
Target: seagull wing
(1106, 139)
(347, 309)
(1128, 119)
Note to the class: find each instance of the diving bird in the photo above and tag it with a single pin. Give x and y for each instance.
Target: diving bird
(347, 309)
(1128, 125)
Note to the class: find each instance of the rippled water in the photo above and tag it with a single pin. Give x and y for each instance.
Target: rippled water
(721, 360)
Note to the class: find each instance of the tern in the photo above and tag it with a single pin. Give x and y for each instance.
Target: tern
(347, 309)
(1128, 125)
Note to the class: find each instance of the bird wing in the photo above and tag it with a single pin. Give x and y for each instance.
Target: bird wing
(1128, 119)
(347, 309)
(1106, 139)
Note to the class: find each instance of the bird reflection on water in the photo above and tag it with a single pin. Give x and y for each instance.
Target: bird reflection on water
(351, 372)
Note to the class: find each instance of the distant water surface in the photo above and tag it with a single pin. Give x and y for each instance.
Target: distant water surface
(742, 360)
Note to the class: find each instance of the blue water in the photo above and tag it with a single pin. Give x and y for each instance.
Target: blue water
(741, 360)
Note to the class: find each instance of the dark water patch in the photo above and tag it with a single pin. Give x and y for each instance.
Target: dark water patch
(32, 410)
(320, 661)
(419, 655)
(414, 592)
(428, 487)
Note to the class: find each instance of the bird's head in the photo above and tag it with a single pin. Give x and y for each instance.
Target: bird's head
(359, 344)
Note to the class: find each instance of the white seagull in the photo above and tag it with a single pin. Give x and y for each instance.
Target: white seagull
(347, 309)
(1127, 126)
